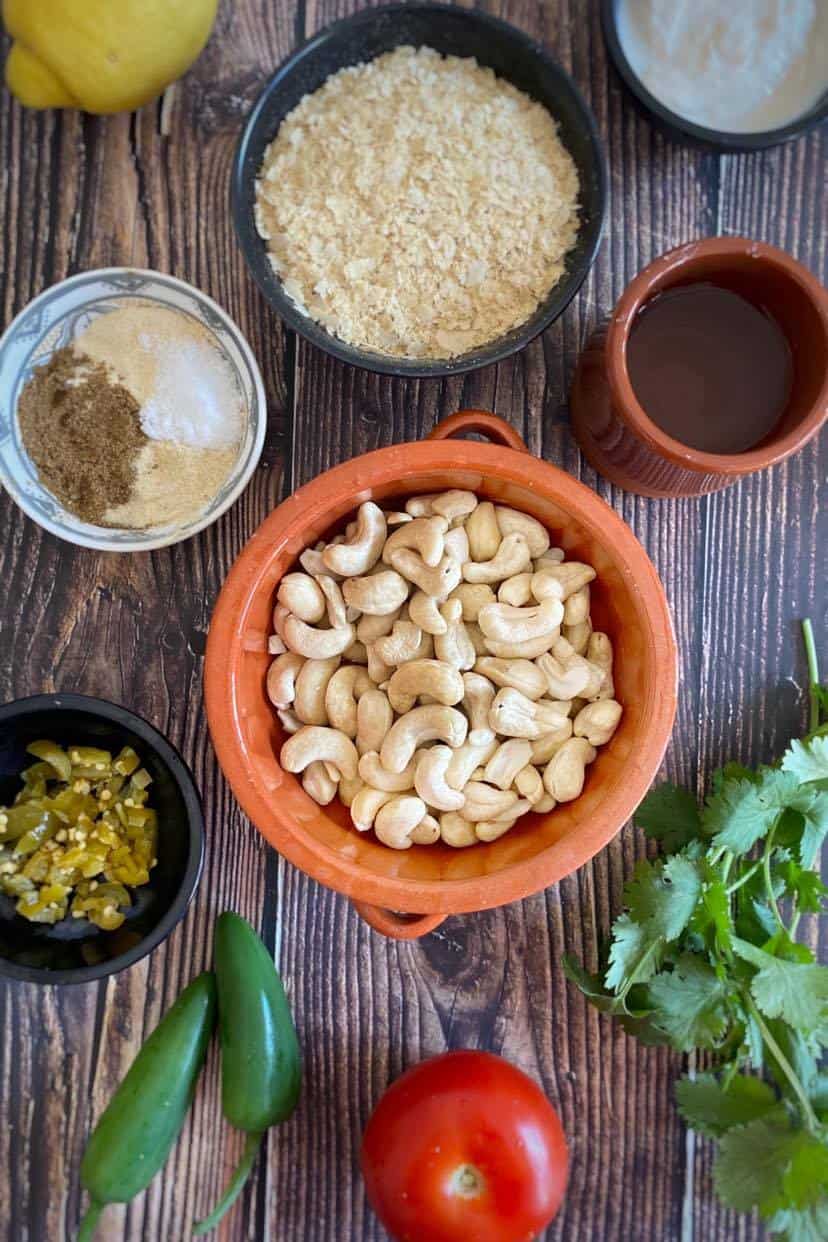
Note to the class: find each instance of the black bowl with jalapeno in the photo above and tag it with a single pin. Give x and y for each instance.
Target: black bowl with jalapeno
(101, 838)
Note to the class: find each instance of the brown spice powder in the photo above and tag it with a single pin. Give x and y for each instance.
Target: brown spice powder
(83, 433)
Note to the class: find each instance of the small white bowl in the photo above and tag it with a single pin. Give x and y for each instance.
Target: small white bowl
(54, 319)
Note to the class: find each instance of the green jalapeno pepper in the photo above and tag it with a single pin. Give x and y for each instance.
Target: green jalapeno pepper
(260, 1063)
(144, 1117)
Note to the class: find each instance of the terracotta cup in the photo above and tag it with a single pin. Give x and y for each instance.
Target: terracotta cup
(407, 893)
(613, 430)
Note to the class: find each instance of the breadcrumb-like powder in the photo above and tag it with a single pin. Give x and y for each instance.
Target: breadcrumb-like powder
(418, 205)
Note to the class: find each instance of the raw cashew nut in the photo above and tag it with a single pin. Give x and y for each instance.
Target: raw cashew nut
(349, 788)
(477, 639)
(485, 802)
(426, 832)
(281, 678)
(421, 725)
(335, 604)
(312, 562)
(516, 591)
(356, 653)
(362, 551)
(513, 715)
(342, 690)
(533, 531)
(529, 784)
(378, 670)
(425, 535)
(373, 773)
(289, 721)
(316, 644)
(311, 685)
(420, 506)
(280, 616)
(564, 679)
(396, 518)
(473, 596)
(302, 596)
(577, 636)
(430, 780)
(564, 775)
(478, 696)
(544, 747)
(424, 611)
(572, 576)
(374, 626)
(512, 557)
(454, 504)
(544, 586)
(440, 681)
(598, 721)
(553, 556)
(455, 830)
(477, 749)
(521, 675)
(490, 830)
(374, 718)
(438, 582)
(483, 532)
(316, 742)
(275, 646)
(377, 594)
(318, 784)
(397, 819)
(456, 544)
(504, 623)
(365, 805)
(406, 642)
(599, 651)
(507, 762)
(454, 647)
(576, 608)
(528, 650)
(546, 803)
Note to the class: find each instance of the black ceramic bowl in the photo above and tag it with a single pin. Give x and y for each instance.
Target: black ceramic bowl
(74, 950)
(452, 31)
(677, 126)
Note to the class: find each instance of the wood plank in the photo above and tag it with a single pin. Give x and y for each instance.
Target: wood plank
(83, 192)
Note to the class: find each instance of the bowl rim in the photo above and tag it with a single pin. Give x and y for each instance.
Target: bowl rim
(646, 285)
(183, 777)
(101, 542)
(681, 127)
(282, 529)
(253, 247)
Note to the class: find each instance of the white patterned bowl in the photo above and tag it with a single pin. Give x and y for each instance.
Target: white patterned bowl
(54, 319)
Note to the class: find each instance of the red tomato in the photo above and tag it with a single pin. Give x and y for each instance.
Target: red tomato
(464, 1148)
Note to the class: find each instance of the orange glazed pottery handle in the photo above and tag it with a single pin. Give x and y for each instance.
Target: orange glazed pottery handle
(398, 926)
(497, 429)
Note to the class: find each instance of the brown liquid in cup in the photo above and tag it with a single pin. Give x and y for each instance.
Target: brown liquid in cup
(710, 368)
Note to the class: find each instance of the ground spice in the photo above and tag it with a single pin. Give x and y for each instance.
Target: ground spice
(83, 432)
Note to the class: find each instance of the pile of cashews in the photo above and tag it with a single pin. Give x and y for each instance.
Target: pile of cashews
(437, 670)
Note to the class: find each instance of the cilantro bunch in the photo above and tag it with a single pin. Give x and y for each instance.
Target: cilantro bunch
(705, 957)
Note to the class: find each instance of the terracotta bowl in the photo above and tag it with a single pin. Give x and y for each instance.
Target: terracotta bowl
(407, 893)
(613, 430)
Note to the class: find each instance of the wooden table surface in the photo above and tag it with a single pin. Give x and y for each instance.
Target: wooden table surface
(740, 567)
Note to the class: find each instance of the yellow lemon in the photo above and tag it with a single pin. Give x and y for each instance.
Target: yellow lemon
(101, 55)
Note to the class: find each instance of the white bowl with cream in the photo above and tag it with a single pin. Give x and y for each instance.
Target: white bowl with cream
(229, 414)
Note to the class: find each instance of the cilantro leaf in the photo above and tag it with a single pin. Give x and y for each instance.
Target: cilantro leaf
(805, 886)
(712, 919)
(670, 815)
(591, 986)
(770, 1165)
(663, 896)
(688, 1004)
(816, 826)
(797, 992)
(808, 1226)
(807, 761)
(744, 812)
(712, 1109)
(634, 956)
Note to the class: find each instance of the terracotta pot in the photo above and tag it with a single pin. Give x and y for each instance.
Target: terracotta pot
(613, 430)
(388, 887)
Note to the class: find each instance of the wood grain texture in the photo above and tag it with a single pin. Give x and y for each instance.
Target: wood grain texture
(739, 568)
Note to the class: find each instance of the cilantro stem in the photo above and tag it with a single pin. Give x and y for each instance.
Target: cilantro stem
(813, 673)
(750, 871)
(766, 867)
(808, 1114)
